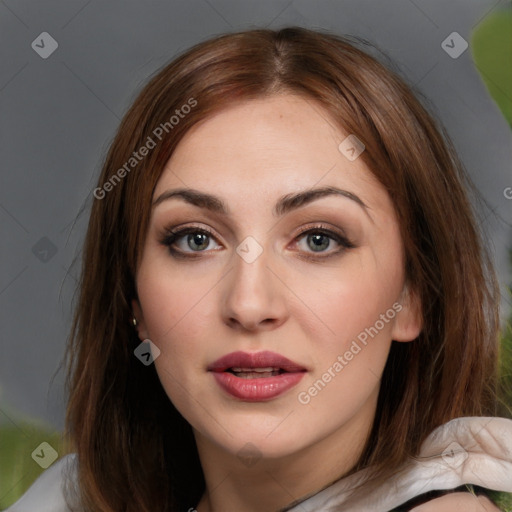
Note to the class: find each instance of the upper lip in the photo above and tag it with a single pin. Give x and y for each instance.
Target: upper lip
(265, 359)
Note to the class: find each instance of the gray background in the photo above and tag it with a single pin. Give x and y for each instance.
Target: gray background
(58, 115)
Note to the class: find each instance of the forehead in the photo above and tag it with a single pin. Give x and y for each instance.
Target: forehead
(270, 146)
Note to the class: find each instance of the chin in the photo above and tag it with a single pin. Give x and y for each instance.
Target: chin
(248, 439)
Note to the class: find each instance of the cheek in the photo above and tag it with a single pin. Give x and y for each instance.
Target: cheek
(173, 301)
(350, 344)
(349, 301)
(177, 311)
(177, 307)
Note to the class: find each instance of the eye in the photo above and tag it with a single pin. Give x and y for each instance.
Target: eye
(188, 240)
(319, 239)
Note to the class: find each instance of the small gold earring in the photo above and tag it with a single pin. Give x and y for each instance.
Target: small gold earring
(134, 322)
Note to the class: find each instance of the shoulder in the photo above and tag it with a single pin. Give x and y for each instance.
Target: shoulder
(46, 494)
(458, 502)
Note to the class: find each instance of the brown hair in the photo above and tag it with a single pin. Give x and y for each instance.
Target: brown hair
(136, 452)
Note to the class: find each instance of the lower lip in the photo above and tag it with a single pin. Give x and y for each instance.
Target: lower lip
(258, 389)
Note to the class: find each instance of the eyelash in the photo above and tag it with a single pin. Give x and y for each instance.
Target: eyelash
(171, 236)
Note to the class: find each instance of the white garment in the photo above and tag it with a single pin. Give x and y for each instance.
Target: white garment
(46, 494)
(474, 451)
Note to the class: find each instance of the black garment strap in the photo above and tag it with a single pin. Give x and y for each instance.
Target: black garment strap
(431, 495)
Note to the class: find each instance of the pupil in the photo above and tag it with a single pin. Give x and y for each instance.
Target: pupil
(199, 239)
(317, 240)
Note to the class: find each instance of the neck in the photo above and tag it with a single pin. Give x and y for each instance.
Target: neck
(272, 484)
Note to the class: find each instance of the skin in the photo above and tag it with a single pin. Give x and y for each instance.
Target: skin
(458, 502)
(289, 300)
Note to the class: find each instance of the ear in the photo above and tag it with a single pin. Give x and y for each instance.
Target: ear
(409, 318)
(139, 316)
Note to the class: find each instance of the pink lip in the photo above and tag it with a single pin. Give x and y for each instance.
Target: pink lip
(261, 388)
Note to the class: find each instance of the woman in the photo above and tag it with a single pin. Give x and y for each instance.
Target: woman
(285, 301)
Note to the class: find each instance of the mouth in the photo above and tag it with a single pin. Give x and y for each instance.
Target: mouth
(255, 377)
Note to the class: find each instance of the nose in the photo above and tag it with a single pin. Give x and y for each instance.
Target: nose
(254, 298)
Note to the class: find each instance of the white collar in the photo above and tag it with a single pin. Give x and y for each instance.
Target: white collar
(46, 494)
(476, 450)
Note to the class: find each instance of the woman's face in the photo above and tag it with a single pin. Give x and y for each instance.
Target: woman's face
(302, 290)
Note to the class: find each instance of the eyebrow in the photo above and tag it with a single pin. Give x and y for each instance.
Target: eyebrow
(284, 205)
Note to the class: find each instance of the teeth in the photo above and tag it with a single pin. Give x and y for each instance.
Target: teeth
(256, 375)
(257, 370)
